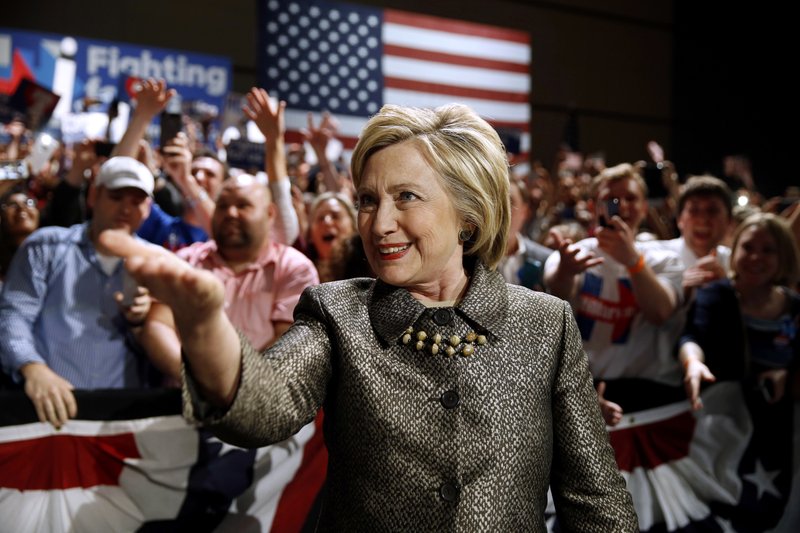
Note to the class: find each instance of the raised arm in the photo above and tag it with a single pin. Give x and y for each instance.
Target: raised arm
(319, 137)
(563, 268)
(210, 342)
(655, 298)
(269, 118)
(151, 100)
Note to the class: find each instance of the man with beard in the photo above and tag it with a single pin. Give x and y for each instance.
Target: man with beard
(263, 279)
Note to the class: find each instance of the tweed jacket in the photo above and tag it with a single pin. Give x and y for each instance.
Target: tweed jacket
(422, 442)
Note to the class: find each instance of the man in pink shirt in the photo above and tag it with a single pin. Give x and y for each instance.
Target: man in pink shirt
(263, 279)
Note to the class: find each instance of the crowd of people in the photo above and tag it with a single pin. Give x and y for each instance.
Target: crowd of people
(672, 283)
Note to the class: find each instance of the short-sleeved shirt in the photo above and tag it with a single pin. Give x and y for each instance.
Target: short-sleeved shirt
(619, 340)
(261, 294)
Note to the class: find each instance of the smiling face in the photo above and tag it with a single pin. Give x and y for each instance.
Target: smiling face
(19, 216)
(330, 223)
(755, 260)
(407, 223)
(632, 203)
(703, 222)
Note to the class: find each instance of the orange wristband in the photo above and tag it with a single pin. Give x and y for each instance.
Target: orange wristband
(638, 267)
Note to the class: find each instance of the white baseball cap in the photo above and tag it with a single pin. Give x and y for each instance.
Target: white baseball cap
(122, 171)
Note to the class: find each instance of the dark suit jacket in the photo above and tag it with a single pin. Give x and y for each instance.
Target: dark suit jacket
(421, 442)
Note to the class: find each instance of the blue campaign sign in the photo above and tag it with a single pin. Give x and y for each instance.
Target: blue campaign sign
(100, 70)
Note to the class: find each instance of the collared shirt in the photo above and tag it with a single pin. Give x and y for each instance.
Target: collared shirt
(57, 307)
(173, 233)
(265, 292)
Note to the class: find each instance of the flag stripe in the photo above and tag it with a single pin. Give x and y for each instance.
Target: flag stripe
(454, 59)
(472, 77)
(514, 115)
(448, 43)
(392, 17)
(65, 461)
(649, 445)
(452, 90)
(351, 60)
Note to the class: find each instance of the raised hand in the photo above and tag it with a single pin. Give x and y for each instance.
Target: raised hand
(266, 114)
(197, 299)
(617, 240)
(573, 259)
(193, 294)
(319, 136)
(152, 97)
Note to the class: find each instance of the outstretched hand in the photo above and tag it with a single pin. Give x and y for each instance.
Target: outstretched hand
(696, 372)
(197, 299)
(573, 259)
(194, 295)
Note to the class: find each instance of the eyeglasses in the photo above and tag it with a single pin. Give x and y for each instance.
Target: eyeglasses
(30, 203)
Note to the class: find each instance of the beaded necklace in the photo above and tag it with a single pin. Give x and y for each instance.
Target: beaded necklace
(450, 346)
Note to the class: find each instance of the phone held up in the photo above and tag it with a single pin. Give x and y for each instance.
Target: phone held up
(171, 120)
(103, 148)
(14, 170)
(611, 209)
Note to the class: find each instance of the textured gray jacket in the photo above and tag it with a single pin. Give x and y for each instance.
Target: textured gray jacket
(422, 442)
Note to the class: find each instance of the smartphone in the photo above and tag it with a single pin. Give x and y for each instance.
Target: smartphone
(171, 125)
(129, 289)
(612, 209)
(103, 148)
(16, 170)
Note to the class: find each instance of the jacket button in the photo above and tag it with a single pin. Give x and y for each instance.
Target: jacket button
(449, 492)
(450, 399)
(443, 316)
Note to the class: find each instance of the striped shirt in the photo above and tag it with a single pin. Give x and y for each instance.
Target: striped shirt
(57, 307)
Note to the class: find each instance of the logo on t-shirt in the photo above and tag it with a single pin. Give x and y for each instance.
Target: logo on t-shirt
(592, 308)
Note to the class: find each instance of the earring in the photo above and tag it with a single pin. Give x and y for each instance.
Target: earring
(464, 235)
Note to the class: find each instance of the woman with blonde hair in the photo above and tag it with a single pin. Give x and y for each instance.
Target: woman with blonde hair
(745, 329)
(452, 400)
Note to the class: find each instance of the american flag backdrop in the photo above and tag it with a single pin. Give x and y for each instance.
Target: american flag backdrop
(350, 60)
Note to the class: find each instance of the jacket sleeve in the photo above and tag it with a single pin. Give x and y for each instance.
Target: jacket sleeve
(588, 490)
(280, 390)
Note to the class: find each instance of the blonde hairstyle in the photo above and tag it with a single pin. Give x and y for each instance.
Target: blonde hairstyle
(468, 156)
(788, 255)
(616, 173)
